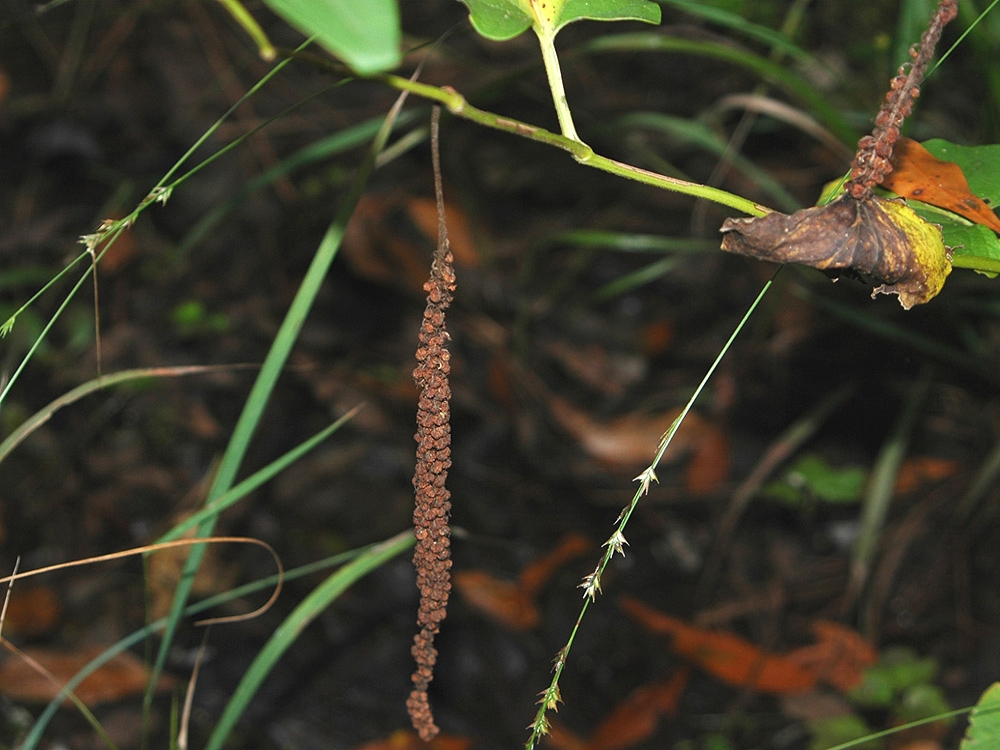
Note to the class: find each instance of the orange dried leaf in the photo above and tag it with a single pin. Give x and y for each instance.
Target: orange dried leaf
(377, 251)
(460, 238)
(117, 255)
(560, 738)
(513, 603)
(920, 470)
(726, 656)
(32, 611)
(406, 739)
(123, 676)
(628, 442)
(503, 601)
(637, 717)
(709, 465)
(537, 573)
(919, 175)
(839, 657)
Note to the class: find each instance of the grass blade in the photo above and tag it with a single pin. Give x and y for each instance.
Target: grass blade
(274, 362)
(286, 634)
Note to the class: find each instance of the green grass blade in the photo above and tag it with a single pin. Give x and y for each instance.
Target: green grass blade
(323, 149)
(34, 735)
(287, 633)
(652, 42)
(695, 133)
(255, 480)
(777, 41)
(881, 487)
(45, 331)
(44, 414)
(274, 362)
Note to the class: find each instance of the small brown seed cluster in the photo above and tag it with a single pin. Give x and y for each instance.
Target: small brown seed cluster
(432, 558)
(873, 160)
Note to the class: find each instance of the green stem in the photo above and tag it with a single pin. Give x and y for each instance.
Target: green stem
(457, 105)
(976, 263)
(553, 72)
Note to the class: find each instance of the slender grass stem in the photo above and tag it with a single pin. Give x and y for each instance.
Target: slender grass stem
(616, 543)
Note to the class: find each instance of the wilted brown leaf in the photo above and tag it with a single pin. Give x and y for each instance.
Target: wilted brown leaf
(513, 603)
(881, 238)
(637, 717)
(503, 601)
(628, 442)
(121, 677)
(405, 739)
(32, 611)
(917, 471)
(837, 659)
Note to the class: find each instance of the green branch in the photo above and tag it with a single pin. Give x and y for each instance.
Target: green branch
(584, 154)
(977, 263)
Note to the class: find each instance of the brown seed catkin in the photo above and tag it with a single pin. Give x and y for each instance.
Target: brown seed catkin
(873, 160)
(432, 500)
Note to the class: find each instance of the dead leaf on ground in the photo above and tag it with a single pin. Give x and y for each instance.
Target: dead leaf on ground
(500, 600)
(918, 471)
(390, 238)
(920, 175)
(125, 675)
(32, 611)
(628, 443)
(840, 656)
(837, 659)
(406, 739)
(537, 573)
(167, 565)
(603, 371)
(513, 603)
(120, 253)
(633, 720)
(637, 717)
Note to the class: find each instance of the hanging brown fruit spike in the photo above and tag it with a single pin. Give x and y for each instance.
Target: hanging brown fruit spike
(860, 233)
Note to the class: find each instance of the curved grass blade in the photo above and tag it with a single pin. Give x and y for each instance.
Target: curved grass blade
(34, 736)
(287, 633)
(274, 363)
(44, 414)
(650, 42)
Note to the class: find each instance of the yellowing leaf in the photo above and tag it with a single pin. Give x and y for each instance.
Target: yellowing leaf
(883, 239)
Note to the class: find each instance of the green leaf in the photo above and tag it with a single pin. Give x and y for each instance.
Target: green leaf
(898, 669)
(837, 730)
(501, 20)
(498, 20)
(365, 35)
(608, 10)
(981, 166)
(921, 702)
(811, 477)
(984, 722)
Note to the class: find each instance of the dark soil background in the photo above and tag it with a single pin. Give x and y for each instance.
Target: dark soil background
(99, 99)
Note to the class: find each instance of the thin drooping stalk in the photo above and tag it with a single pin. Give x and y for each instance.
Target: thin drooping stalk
(616, 543)
(432, 503)
(873, 160)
